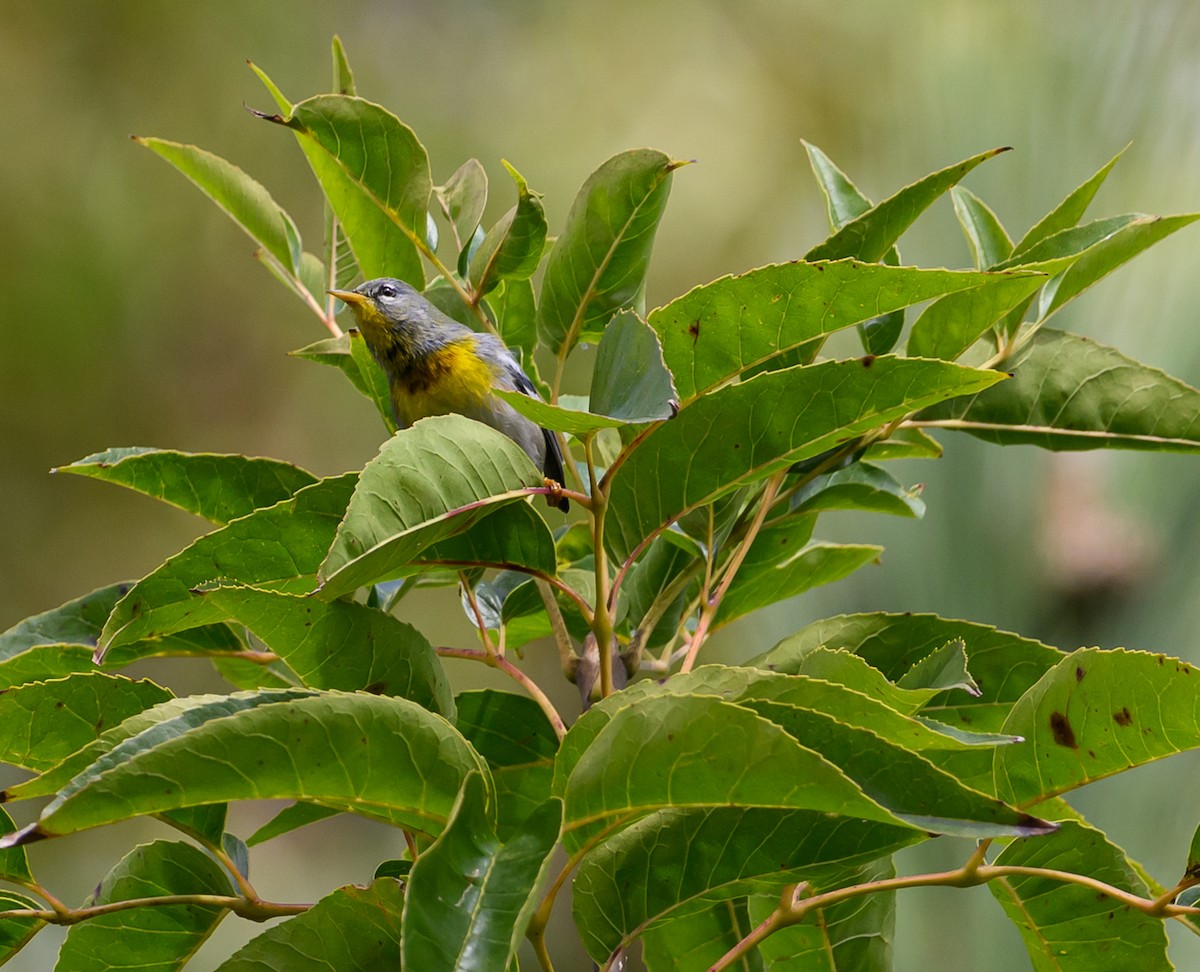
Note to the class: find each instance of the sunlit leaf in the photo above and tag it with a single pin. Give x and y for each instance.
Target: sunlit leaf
(429, 482)
(1094, 714)
(292, 817)
(44, 722)
(512, 249)
(744, 432)
(1071, 393)
(1070, 211)
(989, 241)
(869, 235)
(765, 577)
(245, 201)
(342, 645)
(279, 548)
(723, 329)
(374, 173)
(381, 756)
(1003, 664)
(1068, 927)
(630, 380)
(219, 488)
(599, 262)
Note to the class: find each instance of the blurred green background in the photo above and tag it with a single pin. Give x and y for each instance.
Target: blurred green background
(133, 313)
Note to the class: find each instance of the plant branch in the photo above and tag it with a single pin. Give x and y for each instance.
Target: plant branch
(558, 625)
(602, 618)
(793, 909)
(712, 604)
(493, 660)
(254, 910)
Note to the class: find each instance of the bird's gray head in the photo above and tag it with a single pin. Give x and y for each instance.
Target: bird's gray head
(397, 301)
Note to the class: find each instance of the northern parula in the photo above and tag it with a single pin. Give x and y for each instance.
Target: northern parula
(435, 366)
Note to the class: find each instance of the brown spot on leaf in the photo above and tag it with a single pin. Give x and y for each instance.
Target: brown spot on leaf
(1079, 673)
(1060, 726)
(1123, 718)
(694, 330)
(867, 360)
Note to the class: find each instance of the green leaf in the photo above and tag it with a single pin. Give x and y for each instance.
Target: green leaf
(1094, 714)
(59, 776)
(512, 733)
(1070, 211)
(855, 934)
(469, 895)
(148, 939)
(42, 723)
(375, 174)
(511, 537)
(744, 432)
(558, 418)
(380, 756)
(1005, 665)
(279, 548)
(663, 568)
(352, 928)
(342, 645)
(219, 488)
(245, 201)
(429, 482)
(1072, 241)
(721, 330)
(1068, 927)
(989, 241)
(514, 310)
(859, 486)
(843, 200)
(14, 867)
(292, 817)
(512, 249)
(630, 381)
(904, 443)
(1105, 257)
(343, 77)
(463, 199)
(765, 577)
(869, 235)
(699, 938)
(1071, 393)
(678, 859)
(207, 822)
(16, 932)
(942, 669)
(950, 325)
(656, 753)
(598, 265)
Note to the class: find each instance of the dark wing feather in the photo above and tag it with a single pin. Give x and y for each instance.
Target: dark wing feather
(552, 466)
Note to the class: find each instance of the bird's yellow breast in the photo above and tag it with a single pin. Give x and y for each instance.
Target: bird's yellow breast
(451, 379)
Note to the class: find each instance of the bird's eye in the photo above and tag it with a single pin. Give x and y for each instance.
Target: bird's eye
(387, 290)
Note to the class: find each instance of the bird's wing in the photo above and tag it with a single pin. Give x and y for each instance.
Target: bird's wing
(553, 464)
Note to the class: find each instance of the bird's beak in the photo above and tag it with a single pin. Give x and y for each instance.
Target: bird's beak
(350, 297)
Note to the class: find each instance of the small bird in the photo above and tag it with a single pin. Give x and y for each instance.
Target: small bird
(435, 366)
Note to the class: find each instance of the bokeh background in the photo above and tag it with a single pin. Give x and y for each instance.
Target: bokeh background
(132, 312)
